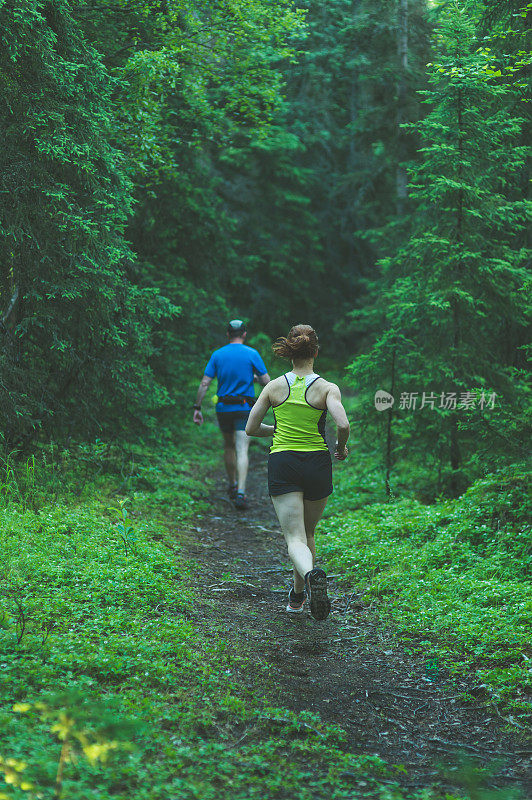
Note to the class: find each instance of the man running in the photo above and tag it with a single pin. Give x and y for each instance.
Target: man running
(234, 365)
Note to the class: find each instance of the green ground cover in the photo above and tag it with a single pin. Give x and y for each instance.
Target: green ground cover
(454, 576)
(109, 687)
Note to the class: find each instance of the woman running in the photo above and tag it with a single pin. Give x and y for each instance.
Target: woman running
(299, 464)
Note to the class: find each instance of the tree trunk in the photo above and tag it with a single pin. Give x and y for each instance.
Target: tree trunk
(455, 456)
(389, 431)
(402, 49)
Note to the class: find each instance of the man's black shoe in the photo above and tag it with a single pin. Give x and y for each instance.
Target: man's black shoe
(232, 491)
(316, 588)
(241, 503)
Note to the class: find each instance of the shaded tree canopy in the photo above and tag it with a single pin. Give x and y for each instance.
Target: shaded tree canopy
(360, 165)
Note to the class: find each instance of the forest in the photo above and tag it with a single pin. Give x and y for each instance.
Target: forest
(362, 166)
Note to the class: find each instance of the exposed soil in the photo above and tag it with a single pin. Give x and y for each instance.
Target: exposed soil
(351, 668)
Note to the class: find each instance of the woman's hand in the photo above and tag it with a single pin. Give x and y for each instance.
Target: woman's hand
(341, 453)
(198, 417)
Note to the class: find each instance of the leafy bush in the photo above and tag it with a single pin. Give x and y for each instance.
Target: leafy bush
(457, 573)
(114, 682)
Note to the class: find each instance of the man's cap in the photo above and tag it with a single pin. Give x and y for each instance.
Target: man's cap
(236, 326)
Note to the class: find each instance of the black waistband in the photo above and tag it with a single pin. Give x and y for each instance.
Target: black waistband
(236, 400)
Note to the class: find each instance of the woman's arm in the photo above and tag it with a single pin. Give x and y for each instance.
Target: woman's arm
(337, 412)
(254, 426)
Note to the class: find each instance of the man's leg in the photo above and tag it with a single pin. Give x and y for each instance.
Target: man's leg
(290, 513)
(230, 456)
(242, 461)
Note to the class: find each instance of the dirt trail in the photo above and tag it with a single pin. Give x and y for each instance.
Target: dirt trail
(350, 668)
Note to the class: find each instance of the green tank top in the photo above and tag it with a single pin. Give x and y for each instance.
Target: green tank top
(298, 425)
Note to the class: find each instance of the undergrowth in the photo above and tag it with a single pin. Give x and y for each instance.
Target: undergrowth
(110, 684)
(454, 576)
(109, 688)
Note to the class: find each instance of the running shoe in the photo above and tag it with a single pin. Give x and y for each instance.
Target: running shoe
(316, 589)
(241, 501)
(232, 491)
(296, 602)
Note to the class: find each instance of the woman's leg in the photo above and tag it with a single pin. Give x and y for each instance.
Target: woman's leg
(242, 461)
(313, 512)
(290, 512)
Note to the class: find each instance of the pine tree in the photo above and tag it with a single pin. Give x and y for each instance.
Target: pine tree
(197, 101)
(452, 292)
(73, 324)
(346, 94)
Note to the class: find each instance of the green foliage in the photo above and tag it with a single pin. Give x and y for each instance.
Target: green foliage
(197, 89)
(74, 324)
(17, 481)
(455, 574)
(209, 160)
(112, 684)
(168, 166)
(449, 311)
(125, 526)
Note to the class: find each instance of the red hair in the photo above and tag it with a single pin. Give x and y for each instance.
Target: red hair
(301, 343)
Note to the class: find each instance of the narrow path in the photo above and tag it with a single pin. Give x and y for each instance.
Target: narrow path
(350, 668)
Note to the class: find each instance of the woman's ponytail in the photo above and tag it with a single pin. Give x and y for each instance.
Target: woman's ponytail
(300, 344)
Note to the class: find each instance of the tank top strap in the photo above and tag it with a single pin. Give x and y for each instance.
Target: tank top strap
(310, 379)
(291, 378)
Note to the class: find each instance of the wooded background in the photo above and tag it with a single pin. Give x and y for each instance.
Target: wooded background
(356, 164)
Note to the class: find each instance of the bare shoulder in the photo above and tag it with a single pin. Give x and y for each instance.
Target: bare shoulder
(277, 390)
(276, 384)
(331, 388)
(319, 392)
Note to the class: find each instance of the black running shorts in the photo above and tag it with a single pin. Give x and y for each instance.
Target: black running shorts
(292, 471)
(230, 421)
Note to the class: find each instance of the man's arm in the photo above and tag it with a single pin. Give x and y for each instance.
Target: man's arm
(255, 426)
(259, 368)
(337, 412)
(202, 391)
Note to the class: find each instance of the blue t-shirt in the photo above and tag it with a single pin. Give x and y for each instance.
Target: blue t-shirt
(234, 366)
